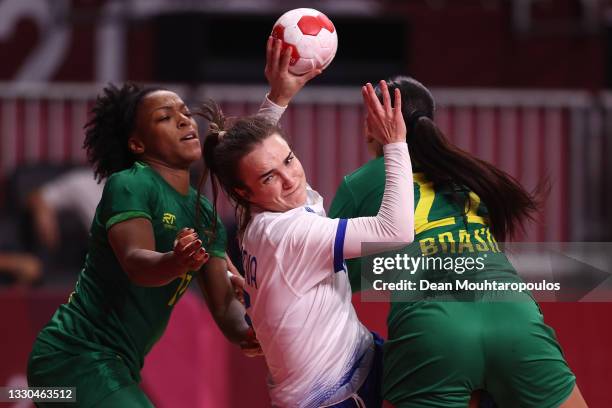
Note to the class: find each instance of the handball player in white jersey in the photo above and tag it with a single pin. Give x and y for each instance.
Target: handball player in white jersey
(298, 296)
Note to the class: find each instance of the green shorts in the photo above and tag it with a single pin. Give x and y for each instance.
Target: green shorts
(438, 352)
(101, 378)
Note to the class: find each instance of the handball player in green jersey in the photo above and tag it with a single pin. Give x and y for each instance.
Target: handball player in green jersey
(152, 234)
(439, 349)
(146, 245)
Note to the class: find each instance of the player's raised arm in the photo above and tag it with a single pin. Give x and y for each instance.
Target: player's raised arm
(286, 71)
(284, 85)
(395, 219)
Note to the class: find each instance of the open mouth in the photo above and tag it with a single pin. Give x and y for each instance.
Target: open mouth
(189, 136)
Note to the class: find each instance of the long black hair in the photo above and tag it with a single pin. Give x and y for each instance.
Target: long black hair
(508, 204)
(108, 131)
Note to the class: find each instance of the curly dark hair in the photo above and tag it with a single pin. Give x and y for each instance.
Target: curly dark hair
(107, 133)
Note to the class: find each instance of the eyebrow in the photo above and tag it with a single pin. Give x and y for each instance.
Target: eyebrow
(181, 106)
(267, 173)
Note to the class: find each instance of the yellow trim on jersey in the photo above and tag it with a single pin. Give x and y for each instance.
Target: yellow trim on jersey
(444, 222)
(435, 224)
(426, 198)
(471, 207)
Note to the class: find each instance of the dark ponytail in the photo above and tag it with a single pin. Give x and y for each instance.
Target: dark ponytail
(225, 144)
(107, 133)
(213, 114)
(508, 204)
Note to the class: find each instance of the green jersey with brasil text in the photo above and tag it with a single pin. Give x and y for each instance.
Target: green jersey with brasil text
(107, 312)
(439, 349)
(450, 224)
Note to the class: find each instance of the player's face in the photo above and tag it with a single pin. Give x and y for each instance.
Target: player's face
(274, 176)
(166, 131)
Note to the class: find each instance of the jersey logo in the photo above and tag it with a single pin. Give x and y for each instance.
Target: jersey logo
(169, 221)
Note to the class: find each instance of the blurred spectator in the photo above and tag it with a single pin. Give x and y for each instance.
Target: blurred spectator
(76, 191)
(19, 268)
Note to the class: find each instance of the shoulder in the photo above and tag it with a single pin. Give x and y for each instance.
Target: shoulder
(365, 184)
(131, 188)
(262, 223)
(138, 171)
(367, 178)
(373, 168)
(276, 227)
(138, 177)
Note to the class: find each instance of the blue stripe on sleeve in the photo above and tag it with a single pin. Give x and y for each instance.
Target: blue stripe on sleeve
(339, 245)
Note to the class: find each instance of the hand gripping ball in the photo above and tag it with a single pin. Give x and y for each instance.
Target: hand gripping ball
(311, 36)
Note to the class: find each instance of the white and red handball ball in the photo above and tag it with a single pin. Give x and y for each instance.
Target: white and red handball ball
(311, 36)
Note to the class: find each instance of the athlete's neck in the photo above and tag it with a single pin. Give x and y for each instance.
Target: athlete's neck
(176, 177)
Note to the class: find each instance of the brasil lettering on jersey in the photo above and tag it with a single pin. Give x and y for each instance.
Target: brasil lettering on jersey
(459, 242)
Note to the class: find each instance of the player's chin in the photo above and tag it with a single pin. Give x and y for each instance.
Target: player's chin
(191, 153)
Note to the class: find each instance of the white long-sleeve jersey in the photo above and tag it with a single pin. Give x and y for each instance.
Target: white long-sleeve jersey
(299, 296)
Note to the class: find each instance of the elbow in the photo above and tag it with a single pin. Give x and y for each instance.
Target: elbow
(401, 231)
(409, 236)
(398, 231)
(406, 234)
(408, 231)
(129, 268)
(134, 276)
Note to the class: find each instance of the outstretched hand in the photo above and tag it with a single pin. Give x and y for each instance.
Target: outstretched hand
(188, 250)
(384, 122)
(283, 84)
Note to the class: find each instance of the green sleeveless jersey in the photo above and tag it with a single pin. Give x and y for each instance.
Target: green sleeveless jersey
(107, 312)
(448, 223)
